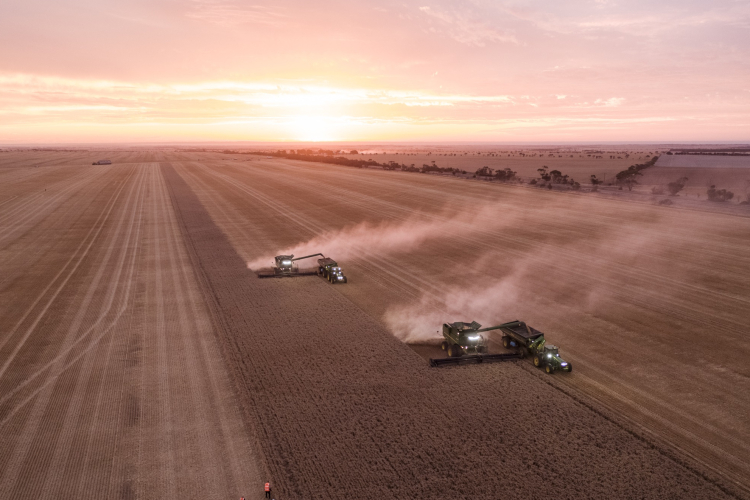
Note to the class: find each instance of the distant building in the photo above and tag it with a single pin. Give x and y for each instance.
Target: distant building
(103, 162)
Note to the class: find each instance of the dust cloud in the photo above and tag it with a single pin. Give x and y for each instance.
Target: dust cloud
(391, 237)
(491, 300)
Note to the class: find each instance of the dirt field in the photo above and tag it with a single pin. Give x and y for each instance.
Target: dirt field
(160, 367)
(111, 381)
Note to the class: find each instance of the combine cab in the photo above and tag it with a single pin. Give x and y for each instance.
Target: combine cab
(330, 270)
(463, 338)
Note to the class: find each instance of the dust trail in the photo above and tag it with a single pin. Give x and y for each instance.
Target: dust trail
(387, 238)
(506, 298)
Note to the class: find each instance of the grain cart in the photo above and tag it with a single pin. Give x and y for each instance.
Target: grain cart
(330, 270)
(528, 341)
(285, 267)
(464, 344)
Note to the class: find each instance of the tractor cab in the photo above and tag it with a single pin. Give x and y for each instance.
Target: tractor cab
(550, 359)
(330, 270)
(551, 351)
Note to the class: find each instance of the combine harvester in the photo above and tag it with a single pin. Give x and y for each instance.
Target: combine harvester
(464, 345)
(285, 267)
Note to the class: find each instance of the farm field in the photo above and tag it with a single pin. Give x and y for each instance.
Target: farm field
(111, 380)
(629, 291)
(144, 359)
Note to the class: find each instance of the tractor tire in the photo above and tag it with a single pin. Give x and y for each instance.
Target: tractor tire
(538, 361)
(570, 368)
(346, 280)
(482, 349)
(549, 369)
(444, 345)
(454, 351)
(506, 342)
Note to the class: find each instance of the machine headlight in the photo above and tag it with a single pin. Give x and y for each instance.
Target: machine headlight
(286, 262)
(549, 355)
(473, 337)
(563, 364)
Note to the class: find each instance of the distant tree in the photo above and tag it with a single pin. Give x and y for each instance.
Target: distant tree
(719, 194)
(628, 178)
(595, 183)
(543, 174)
(677, 186)
(505, 175)
(353, 152)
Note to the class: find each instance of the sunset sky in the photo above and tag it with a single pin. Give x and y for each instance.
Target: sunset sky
(207, 70)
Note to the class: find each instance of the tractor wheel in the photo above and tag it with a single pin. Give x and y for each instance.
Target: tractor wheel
(506, 342)
(537, 361)
(444, 345)
(482, 349)
(548, 369)
(454, 351)
(570, 368)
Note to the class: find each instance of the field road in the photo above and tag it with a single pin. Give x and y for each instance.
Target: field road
(651, 305)
(112, 384)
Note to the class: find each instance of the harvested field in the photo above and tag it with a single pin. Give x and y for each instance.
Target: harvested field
(703, 161)
(145, 360)
(111, 380)
(619, 286)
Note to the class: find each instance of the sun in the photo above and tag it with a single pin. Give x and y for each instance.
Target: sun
(312, 128)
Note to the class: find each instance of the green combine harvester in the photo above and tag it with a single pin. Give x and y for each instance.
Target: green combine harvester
(464, 344)
(285, 267)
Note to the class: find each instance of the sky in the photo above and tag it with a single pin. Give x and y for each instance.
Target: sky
(427, 70)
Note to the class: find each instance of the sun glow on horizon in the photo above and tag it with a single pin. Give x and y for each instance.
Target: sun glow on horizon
(311, 128)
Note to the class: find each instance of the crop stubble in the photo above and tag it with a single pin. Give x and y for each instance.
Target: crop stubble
(111, 384)
(342, 409)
